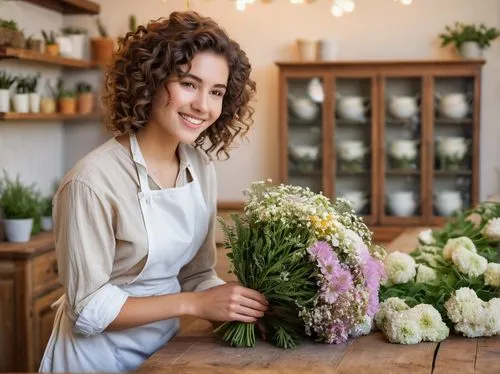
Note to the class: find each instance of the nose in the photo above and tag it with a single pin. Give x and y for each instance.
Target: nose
(200, 102)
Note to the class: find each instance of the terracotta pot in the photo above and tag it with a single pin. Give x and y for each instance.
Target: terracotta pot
(52, 49)
(67, 105)
(47, 105)
(35, 45)
(11, 38)
(86, 103)
(101, 50)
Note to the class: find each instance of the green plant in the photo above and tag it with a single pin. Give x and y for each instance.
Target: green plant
(9, 24)
(17, 200)
(132, 23)
(83, 87)
(31, 83)
(22, 85)
(461, 33)
(60, 92)
(49, 37)
(46, 206)
(6, 80)
(103, 32)
(70, 30)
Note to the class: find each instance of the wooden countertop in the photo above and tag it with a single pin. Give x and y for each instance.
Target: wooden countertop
(195, 350)
(38, 244)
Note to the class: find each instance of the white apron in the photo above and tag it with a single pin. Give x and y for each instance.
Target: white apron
(176, 221)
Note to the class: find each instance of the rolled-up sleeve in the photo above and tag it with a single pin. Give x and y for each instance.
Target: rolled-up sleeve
(199, 274)
(85, 246)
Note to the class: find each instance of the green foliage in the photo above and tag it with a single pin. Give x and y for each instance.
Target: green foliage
(49, 37)
(461, 33)
(103, 32)
(17, 200)
(271, 259)
(46, 208)
(132, 23)
(60, 92)
(70, 30)
(83, 87)
(22, 85)
(6, 80)
(9, 24)
(31, 83)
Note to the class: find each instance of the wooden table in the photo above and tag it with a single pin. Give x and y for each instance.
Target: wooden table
(195, 350)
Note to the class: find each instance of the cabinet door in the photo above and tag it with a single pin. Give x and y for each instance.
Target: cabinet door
(302, 123)
(355, 168)
(454, 144)
(403, 195)
(7, 323)
(43, 320)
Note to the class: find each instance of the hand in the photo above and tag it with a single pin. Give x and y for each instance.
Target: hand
(230, 302)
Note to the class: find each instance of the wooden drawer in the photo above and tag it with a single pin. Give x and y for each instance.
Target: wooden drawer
(44, 270)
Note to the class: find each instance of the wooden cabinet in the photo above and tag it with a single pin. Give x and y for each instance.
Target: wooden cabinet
(400, 139)
(28, 286)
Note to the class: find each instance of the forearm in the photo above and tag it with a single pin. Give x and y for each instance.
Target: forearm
(139, 311)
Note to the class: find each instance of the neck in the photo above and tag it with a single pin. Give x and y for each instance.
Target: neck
(156, 144)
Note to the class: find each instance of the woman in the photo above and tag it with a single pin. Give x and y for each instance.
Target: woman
(135, 219)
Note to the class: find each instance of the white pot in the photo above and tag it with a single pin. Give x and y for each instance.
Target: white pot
(471, 50)
(328, 49)
(303, 108)
(452, 146)
(454, 105)
(304, 152)
(351, 150)
(78, 44)
(402, 203)
(18, 230)
(4, 101)
(65, 46)
(403, 107)
(357, 198)
(351, 108)
(47, 223)
(403, 149)
(447, 202)
(34, 100)
(21, 103)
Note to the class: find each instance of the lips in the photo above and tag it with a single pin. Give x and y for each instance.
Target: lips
(191, 122)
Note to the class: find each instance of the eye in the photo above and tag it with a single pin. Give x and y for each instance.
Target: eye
(219, 93)
(187, 84)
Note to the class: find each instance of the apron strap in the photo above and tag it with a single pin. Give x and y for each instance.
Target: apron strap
(138, 158)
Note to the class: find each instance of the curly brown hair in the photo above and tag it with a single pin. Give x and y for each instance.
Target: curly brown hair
(149, 56)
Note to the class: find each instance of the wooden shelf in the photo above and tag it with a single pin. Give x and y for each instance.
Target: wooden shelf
(452, 173)
(47, 116)
(26, 54)
(450, 121)
(68, 6)
(402, 172)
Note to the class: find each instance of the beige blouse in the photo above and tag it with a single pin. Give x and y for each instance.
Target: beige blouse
(101, 239)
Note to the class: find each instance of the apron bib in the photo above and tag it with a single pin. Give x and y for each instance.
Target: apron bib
(176, 221)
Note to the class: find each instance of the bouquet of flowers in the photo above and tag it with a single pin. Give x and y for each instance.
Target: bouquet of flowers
(455, 270)
(314, 262)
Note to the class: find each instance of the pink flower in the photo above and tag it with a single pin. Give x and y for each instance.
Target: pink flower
(373, 272)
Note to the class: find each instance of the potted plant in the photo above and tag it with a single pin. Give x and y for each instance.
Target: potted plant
(48, 104)
(34, 44)
(78, 39)
(6, 81)
(470, 40)
(33, 95)
(21, 98)
(10, 35)
(20, 205)
(66, 99)
(102, 48)
(51, 46)
(85, 98)
(47, 214)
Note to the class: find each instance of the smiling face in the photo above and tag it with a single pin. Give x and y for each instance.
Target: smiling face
(185, 107)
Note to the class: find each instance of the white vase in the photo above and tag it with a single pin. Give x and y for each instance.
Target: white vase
(78, 46)
(18, 230)
(34, 100)
(21, 103)
(4, 101)
(328, 49)
(47, 223)
(65, 46)
(471, 50)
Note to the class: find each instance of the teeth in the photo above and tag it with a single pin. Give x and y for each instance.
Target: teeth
(192, 120)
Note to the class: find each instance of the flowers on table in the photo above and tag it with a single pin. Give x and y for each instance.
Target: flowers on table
(313, 260)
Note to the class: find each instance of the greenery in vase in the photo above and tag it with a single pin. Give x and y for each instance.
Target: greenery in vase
(31, 83)
(49, 37)
(22, 85)
(9, 24)
(403, 162)
(69, 30)
(103, 32)
(6, 80)
(17, 200)
(357, 164)
(83, 87)
(461, 33)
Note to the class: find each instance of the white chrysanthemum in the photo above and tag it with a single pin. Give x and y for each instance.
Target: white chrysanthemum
(469, 263)
(464, 306)
(493, 317)
(425, 274)
(492, 275)
(452, 244)
(399, 267)
(431, 325)
(432, 249)
(470, 330)
(363, 328)
(425, 237)
(492, 229)
(402, 328)
(386, 308)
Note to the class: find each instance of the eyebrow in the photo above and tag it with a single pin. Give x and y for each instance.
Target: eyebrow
(199, 80)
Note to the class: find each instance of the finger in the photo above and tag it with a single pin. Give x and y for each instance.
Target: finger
(255, 295)
(243, 318)
(251, 303)
(249, 312)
